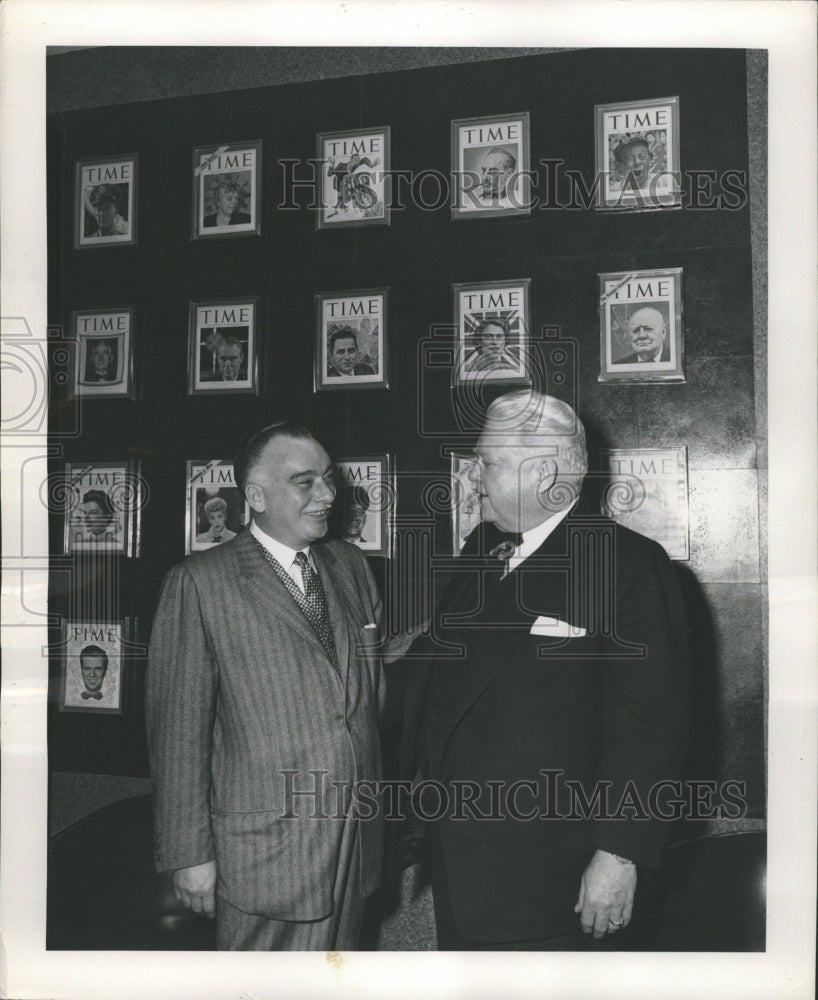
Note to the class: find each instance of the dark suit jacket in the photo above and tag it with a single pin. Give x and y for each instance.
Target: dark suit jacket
(240, 689)
(609, 706)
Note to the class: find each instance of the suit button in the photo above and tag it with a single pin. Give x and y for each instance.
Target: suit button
(441, 690)
(437, 711)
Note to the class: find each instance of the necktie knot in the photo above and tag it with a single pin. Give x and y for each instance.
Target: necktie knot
(504, 550)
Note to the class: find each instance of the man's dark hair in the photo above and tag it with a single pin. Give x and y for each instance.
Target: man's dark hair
(94, 651)
(231, 342)
(342, 333)
(251, 450)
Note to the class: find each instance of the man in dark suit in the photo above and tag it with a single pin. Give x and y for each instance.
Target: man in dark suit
(648, 334)
(553, 702)
(264, 691)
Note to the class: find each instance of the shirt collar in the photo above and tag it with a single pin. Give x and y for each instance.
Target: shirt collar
(534, 537)
(282, 553)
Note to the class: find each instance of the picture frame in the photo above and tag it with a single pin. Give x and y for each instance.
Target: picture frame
(102, 508)
(492, 322)
(465, 496)
(355, 178)
(648, 492)
(367, 501)
(637, 154)
(491, 166)
(209, 523)
(227, 190)
(223, 356)
(641, 326)
(105, 201)
(103, 357)
(91, 667)
(352, 340)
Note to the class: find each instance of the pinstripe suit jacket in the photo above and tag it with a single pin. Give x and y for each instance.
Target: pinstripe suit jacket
(240, 690)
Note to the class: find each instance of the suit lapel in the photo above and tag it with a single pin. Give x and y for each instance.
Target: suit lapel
(540, 585)
(261, 584)
(338, 590)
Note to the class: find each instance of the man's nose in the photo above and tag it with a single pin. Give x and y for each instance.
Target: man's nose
(474, 473)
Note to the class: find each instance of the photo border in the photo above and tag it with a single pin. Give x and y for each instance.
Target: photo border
(523, 171)
(88, 242)
(485, 378)
(321, 221)
(321, 381)
(613, 372)
(253, 350)
(388, 488)
(630, 200)
(198, 231)
(79, 391)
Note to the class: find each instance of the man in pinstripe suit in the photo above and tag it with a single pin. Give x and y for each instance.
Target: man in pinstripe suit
(263, 688)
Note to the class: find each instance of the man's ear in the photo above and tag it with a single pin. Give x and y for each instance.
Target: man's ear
(255, 497)
(546, 474)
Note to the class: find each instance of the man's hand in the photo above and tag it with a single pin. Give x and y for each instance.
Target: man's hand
(195, 888)
(606, 895)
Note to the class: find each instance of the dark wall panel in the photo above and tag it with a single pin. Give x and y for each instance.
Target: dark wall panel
(419, 257)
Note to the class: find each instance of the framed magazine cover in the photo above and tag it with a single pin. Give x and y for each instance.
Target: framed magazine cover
(492, 323)
(648, 492)
(491, 166)
(91, 667)
(466, 513)
(105, 201)
(226, 190)
(103, 501)
(215, 509)
(351, 340)
(637, 154)
(223, 347)
(354, 188)
(367, 499)
(103, 359)
(641, 328)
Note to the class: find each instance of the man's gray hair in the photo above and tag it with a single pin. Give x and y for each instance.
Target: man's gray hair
(533, 419)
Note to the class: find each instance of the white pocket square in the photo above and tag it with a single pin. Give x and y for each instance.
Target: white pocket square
(371, 625)
(556, 628)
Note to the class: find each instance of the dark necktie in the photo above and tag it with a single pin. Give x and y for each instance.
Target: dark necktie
(504, 549)
(315, 605)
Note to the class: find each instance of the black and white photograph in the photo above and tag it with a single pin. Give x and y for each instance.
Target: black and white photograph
(351, 342)
(222, 355)
(102, 508)
(91, 676)
(368, 500)
(491, 166)
(641, 326)
(492, 330)
(226, 191)
(104, 353)
(216, 510)
(354, 183)
(648, 493)
(496, 680)
(105, 202)
(637, 154)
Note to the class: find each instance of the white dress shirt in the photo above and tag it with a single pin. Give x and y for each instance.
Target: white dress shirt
(282, 554)
(534, 537)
